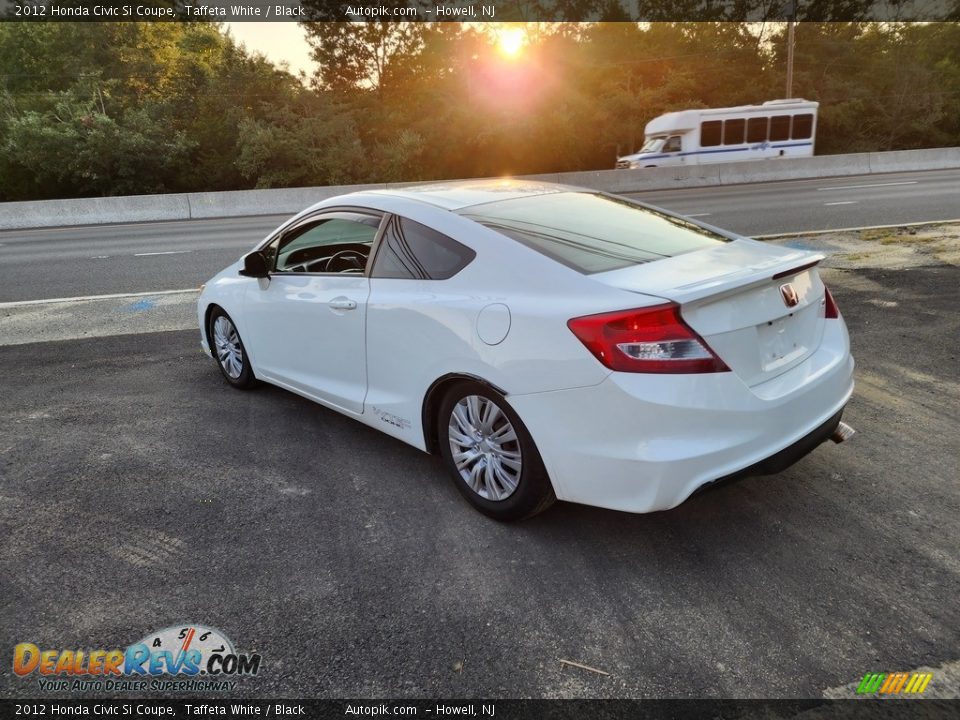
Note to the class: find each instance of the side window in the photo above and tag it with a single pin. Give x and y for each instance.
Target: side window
(733, 131)
(336, 243)
(672, 144)
(710, 133)
(802, 127)
(414, 251)
(757, 129)
(780, 127)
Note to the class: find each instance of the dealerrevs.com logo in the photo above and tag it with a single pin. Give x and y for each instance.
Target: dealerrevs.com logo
(183, 657)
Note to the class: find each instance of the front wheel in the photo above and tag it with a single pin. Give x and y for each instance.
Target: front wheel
(228, 350)
(490, 454)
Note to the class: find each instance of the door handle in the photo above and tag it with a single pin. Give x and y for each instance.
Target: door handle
(342, 304)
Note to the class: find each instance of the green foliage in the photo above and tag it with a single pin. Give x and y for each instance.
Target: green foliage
(303, 143)
(76, 149)
(92, 109)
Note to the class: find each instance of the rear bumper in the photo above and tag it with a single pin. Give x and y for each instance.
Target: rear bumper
(641, 443)
(778, 462)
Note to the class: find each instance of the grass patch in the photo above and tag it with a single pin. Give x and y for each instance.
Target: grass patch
(879, 234)
(908, 239)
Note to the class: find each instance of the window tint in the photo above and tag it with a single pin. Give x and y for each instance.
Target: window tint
(672, 145)
(414, 251)
(733, 131)
(307, 248)
(780, 127)
(757, 129)
(802, 127)
(652, 144)
(590, 232)
(710, 133)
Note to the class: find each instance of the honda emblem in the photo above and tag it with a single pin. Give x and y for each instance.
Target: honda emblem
(789, 295)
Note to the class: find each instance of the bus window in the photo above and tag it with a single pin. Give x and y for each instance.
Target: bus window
(733, 131)
(780, 127)
(710, 133)
(673, 144)
(802, 127)
(757, 129)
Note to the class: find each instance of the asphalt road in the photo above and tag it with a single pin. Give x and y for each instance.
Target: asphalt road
(139, 492)
(827, 204)
(72, 262)
(105, 259)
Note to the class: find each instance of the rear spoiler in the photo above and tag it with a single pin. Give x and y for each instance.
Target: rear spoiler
(742, 280)
(715, 273)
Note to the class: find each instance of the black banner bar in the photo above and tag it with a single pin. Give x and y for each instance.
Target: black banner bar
(865, 709)
(477, 10)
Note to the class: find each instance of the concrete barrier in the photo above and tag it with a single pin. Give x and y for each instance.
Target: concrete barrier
(239, 203)
(236, 203)
(794, 169)
(906, 160)
(93, 211)
(622, 181)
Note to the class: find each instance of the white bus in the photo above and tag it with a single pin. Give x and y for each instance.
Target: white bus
(776, 129)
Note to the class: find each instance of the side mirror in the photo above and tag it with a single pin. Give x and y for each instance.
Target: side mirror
(255, 265)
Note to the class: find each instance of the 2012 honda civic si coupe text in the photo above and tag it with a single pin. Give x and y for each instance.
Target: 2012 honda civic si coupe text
(547, 341)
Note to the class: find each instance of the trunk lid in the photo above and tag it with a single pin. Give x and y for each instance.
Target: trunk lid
(737, 297)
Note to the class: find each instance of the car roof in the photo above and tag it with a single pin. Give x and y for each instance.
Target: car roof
(467, 193)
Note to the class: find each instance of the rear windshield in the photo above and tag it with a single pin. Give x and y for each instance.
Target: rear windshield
(592, 233)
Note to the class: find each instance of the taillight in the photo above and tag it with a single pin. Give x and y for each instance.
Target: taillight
(647, 340)
(831, 311)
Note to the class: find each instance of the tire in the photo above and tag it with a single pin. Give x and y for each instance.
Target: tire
(228, 350)
(501, 474)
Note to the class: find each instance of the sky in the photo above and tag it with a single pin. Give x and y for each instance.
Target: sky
(286, 41)
(278, 41)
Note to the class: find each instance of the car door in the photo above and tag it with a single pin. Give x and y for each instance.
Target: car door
(307, 320)
(418, 319)
(673, 146)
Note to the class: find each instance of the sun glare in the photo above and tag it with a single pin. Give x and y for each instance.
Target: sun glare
(510, 41)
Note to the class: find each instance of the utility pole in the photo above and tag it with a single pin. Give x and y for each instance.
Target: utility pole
(791, 19)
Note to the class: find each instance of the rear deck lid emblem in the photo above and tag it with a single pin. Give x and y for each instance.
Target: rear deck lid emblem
(789, 295)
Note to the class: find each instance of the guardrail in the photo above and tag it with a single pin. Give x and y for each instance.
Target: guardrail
(240, 203)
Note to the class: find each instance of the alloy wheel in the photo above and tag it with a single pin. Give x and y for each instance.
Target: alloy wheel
(485, 447)
(227, 343)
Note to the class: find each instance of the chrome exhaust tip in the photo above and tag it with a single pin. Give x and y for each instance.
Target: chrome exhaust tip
(843, 432)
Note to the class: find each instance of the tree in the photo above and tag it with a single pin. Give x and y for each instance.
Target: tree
(306, 142)
(110, 108)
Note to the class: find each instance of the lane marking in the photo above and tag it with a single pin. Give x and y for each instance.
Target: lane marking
(801, 233)
(168, 252)
(855, 187)
(698, 214)
(88, 298)
(99, 257)
(842, 202)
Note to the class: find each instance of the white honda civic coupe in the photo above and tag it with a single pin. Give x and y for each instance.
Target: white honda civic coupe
(549, 342)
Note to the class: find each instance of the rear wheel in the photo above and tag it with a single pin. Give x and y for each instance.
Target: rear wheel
(490, 454)
(228, 350)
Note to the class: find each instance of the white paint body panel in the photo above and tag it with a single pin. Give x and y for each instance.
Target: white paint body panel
(626, 441)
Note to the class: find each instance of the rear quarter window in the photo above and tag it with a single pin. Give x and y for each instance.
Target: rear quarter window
(413, 251)
(591, 232)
